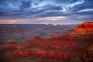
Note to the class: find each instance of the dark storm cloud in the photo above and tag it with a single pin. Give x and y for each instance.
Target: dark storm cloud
(26, 8)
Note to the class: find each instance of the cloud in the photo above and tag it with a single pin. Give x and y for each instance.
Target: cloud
(45, 11)
(84, 10)
(43, 7)
(62, 20)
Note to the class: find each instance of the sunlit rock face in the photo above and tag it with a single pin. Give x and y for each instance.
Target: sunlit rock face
(84, 28)
(56, 47)
(10, 45)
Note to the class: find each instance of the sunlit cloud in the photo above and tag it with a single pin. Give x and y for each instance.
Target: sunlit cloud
(62, 20)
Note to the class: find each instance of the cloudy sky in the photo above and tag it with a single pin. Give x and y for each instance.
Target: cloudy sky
(45, 11)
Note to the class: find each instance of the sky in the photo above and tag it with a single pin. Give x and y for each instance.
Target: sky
(45, 11)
